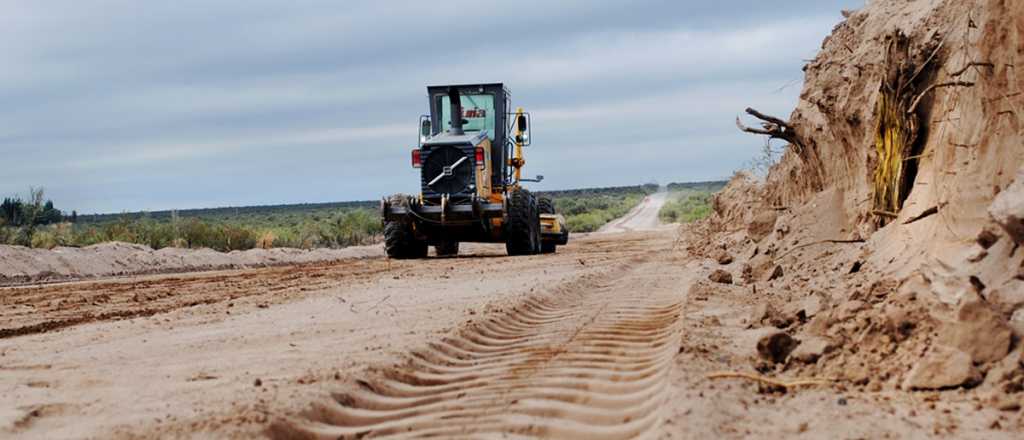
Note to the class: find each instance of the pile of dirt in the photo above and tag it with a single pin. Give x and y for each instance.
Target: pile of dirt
(20, 265)
(929, 296)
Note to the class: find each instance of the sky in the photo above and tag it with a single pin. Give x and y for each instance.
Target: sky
(133, 105)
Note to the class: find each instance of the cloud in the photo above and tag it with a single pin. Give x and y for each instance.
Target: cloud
(119, 105)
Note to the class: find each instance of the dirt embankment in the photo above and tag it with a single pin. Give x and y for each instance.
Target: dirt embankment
(885, 244)
(21, 265)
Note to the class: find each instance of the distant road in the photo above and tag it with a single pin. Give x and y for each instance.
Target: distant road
(643, 217)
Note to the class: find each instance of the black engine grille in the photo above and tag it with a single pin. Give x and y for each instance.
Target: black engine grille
(461, 177)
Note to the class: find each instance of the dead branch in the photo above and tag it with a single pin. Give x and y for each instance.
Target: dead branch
(768, 118)
(917, 100)
(773, 127)
(742, 127)
(767, 381)
(972, 64)
(926, 213)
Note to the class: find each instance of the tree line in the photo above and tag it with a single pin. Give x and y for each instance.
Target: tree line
(18, 212)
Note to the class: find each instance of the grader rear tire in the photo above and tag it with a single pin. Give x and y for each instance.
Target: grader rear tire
(400, 243)
(545, 205)
(447, 249)
(522, 230)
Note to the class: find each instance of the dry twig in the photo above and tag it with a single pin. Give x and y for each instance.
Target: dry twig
(766, 380)
(917, 100)
(856, 240)
(972, 64)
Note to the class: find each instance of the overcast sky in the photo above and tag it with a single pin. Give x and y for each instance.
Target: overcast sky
(144, 105)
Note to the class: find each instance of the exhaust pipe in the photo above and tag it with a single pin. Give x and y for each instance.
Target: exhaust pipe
(456, 104)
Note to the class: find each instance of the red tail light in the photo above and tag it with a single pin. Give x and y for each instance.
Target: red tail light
(479, 157)
(416, 160)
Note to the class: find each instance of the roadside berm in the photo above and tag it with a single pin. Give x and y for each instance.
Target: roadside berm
(882, 252)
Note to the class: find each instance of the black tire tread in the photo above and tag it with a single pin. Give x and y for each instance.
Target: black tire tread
(400, 243)
(522, 233)
(545, 205)
(447, 249)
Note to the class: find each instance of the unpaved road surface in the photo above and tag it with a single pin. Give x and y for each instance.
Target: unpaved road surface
(643, 217)
(611, 337)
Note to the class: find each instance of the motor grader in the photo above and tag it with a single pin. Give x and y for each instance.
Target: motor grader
(470, 157)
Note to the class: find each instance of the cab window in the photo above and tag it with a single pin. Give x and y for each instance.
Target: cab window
(477, 110)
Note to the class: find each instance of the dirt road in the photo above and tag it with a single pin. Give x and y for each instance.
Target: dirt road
(184, 354)
(609, 338)
(643, 217)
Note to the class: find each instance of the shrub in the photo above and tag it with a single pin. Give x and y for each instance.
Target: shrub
(43, 239)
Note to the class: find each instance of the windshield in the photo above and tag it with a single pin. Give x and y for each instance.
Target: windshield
(477, 110)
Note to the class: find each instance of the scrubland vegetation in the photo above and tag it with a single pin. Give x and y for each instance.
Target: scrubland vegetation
(37, 223)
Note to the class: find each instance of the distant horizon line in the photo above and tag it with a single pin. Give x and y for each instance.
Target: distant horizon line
(359, 202)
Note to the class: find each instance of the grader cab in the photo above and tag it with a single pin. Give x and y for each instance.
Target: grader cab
(470, 156)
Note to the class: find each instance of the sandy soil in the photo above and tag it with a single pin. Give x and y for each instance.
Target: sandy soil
(609, 338)
(794, 311)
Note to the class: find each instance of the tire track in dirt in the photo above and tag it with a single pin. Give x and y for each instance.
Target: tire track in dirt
(585, 361)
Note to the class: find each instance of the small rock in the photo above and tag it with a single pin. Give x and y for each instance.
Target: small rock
(257, 383)
(849, 309)
(949, 288)
(820, 324)
(899, 323)
(1007, 297)
(722, 256)
(746, 273)
(1008, 208)
(774, 344)
(762, 225)
(760, 266)
(1007, 403)
(811, 349)
(776, 273)
(1017, 321)
(943, 367)
(765, 314)
(721, 276)
(782, 229)
(979, 331)
(808, 307)
(986, 238)
(976, 254)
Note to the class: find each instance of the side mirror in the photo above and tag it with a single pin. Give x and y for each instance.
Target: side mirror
(523, 127)
(521, 123)
(425, 128)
